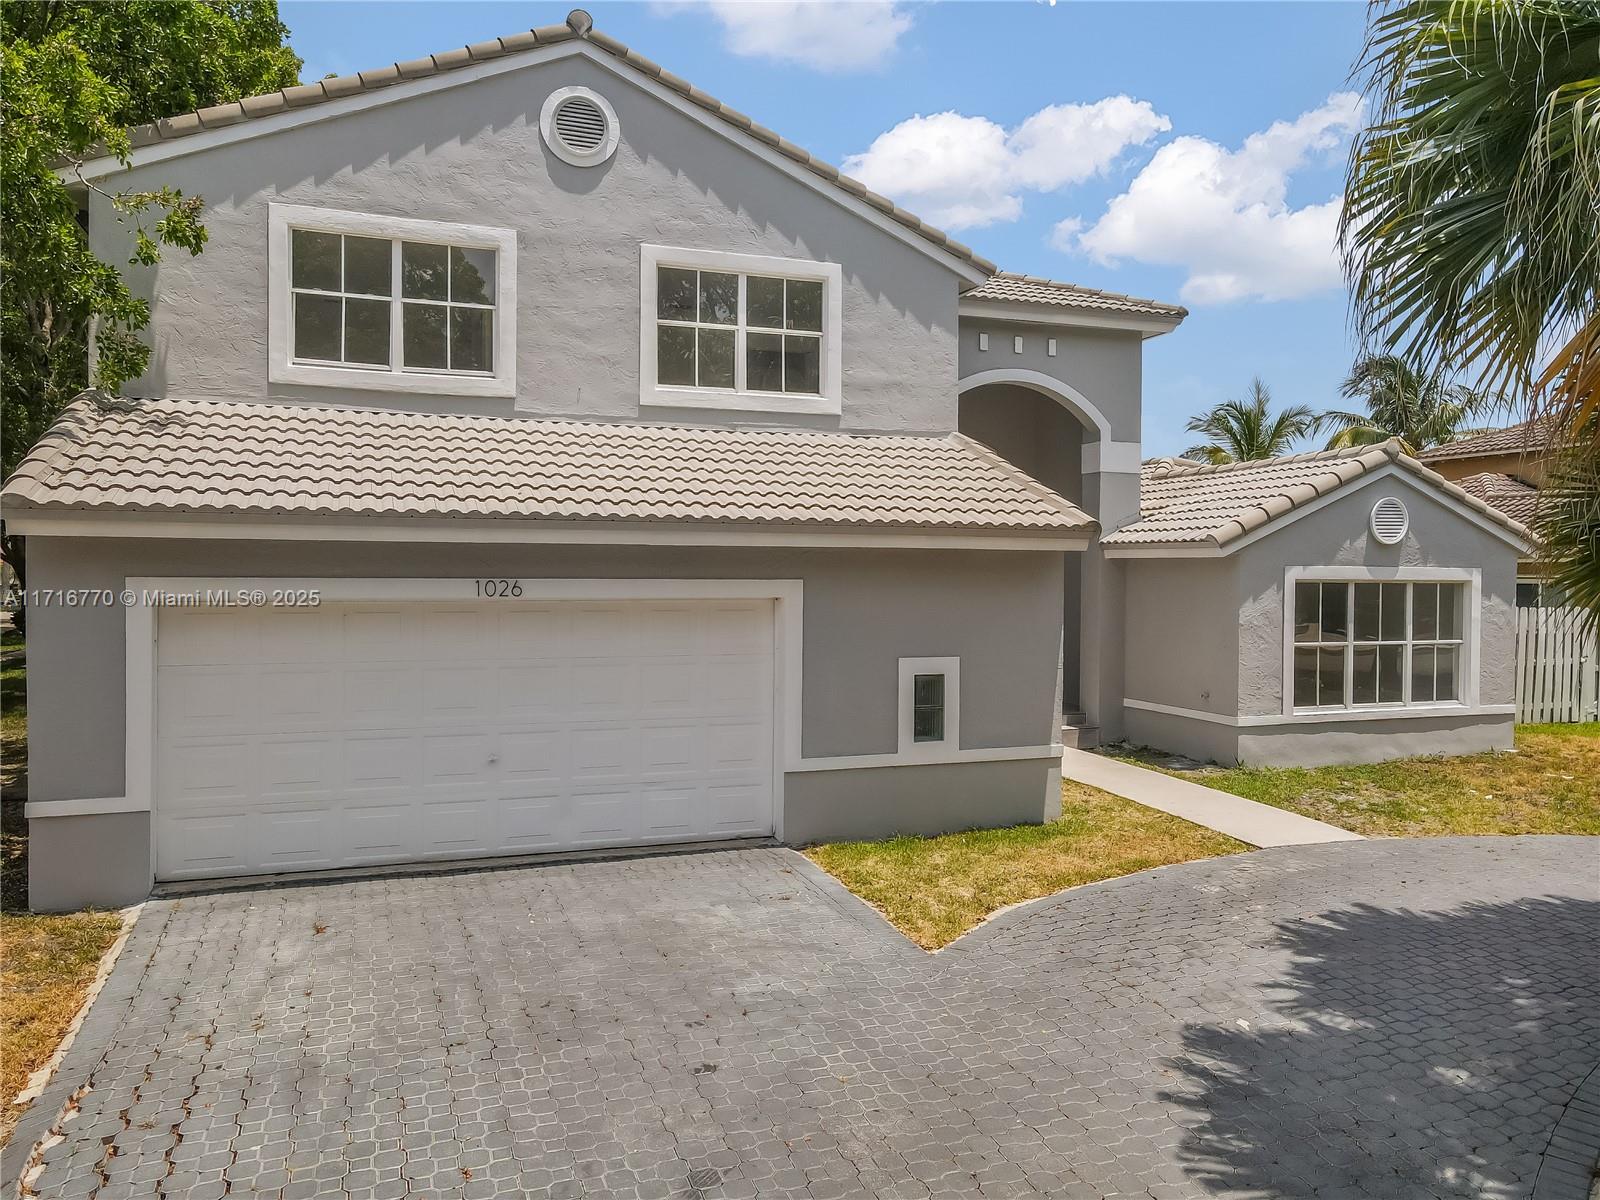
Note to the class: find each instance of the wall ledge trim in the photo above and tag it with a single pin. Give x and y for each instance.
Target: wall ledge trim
(93, 807)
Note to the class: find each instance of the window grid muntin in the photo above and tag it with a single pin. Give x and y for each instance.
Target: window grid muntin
(1350, 643)
(741, 329)
(933, 708)
(396, 302)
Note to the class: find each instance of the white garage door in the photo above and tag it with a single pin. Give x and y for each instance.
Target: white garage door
(349, 734)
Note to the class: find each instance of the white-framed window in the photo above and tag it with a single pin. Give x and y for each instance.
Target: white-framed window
(390, 303)
(1360, 643)
(739, 331)
(930, 706)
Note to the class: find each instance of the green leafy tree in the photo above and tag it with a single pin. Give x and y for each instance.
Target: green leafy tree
(76, 73)
(1471, 223)
(1248, 429)
(1422, 410)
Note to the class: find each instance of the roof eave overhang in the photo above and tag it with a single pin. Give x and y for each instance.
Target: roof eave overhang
(244, 129)
(1148, 325)
(122, 523)
(1217, 547)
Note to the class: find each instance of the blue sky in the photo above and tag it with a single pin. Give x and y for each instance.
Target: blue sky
(1185, 151)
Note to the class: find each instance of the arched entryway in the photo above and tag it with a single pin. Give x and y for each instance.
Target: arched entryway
(1042, 427)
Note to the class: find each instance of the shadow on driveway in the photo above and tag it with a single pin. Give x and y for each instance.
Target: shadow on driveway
(1440, 1042)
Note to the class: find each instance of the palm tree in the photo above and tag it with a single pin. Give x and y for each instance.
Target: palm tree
(1422, 410)
(1471, 221)
(1243, 430)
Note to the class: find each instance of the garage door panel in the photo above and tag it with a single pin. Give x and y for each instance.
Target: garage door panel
(454, 694)
(674, 749)
(212, 772)
(456, 634)
(456, 826)
(206, 636)
(739, 746)
(536, 632)
(378, 697)
(375, 635)
(531, 823)
(307, 635)
(457, 759)
(378, 832)
(533, 756)
(372, 762)
(296, 839)
(669, 811)
(732, 809)
(602, 753)
(295, 697)
(735, 686)
(200, 701)
(534, 691)
(605, 816)
(296, 766)
(669, 687)
(377, 733)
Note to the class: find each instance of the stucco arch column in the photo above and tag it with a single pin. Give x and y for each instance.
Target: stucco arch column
(1109, 493)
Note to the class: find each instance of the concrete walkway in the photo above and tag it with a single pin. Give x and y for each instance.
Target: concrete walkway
(1246, 820)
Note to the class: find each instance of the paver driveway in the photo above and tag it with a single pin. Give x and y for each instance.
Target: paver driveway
(1361, 1019)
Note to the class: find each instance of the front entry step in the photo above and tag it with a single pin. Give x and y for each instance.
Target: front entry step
(1079, 736)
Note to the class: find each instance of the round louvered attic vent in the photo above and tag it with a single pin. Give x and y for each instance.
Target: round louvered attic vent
(579, 126)
(1389, 520)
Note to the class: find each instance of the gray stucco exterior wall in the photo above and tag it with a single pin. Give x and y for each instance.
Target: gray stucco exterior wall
(864, 610)
(473, 154)
(1182, 636)
(1102, 365)
(1207, 635)
(834, 805)
(1339, 535)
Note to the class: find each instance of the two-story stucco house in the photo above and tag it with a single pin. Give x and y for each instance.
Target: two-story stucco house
(544, 456)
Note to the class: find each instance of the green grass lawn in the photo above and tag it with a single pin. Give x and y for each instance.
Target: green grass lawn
(1551, 784)
(46, 962)
(935, 889)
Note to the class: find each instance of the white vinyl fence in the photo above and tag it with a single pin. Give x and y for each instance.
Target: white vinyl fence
(1558, 667)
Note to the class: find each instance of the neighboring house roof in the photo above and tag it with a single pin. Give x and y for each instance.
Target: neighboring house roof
(1517, 498)
(1530, 437)
(1190, 504)
(578, 26)
(218, 457)
(1031, 289)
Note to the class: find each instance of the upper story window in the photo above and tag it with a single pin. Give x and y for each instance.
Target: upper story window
(391, 303)
(739, 331)
(1371, 644)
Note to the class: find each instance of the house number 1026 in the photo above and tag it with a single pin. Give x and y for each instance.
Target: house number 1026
(498, 588)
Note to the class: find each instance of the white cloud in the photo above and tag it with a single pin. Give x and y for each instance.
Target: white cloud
(1223, 215)
(828, 35)
(961, 172)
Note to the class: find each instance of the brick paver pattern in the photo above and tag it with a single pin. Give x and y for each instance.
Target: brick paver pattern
(1366, 1019)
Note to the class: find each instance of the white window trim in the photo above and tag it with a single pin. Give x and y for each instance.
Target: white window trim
(910, 668)
(281, 367)
(1470, 635)
(830, 275)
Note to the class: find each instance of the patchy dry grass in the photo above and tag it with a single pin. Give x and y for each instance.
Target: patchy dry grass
(46, 962)
(1550, 785)
(13, 716)
(935, 889)
(49, 964)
